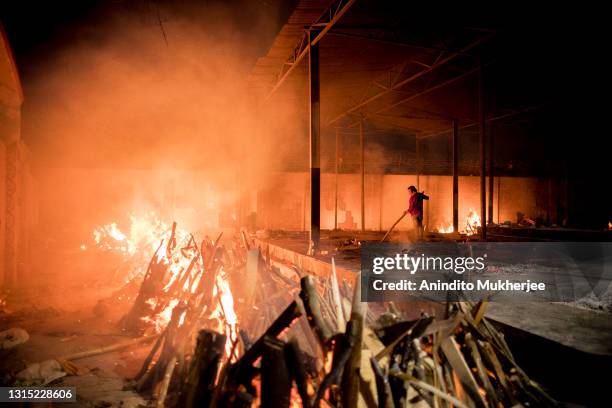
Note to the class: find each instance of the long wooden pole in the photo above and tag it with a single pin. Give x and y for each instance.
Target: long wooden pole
(393, 226)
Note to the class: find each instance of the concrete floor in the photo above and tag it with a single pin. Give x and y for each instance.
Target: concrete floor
(60, 318)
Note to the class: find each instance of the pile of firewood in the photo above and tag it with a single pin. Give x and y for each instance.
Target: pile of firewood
(303, 340)
(460, 361)
(182, 276)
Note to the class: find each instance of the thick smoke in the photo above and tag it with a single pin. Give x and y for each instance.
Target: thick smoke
(148, 104)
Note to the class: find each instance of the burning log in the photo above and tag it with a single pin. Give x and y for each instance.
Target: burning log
(350, 378)
(166, 382)
(244, 368)
(450, 348)
(482, 372)
(382, 385)
(151, 374)
(296, 367)
(275, 374)
(199, 385)
(312, 306)
(151, 285)
(342, 354)
(337, 300)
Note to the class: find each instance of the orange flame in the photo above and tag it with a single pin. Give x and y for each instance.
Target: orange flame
(446, 230)
(225, 312)
(144, 235)
(177, 255)
(472, 223)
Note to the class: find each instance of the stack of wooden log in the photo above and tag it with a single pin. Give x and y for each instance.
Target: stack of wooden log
(460, 361)
(309, 341)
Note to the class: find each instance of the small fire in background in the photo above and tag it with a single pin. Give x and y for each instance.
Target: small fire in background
(472, 222)
(446, 230)
(609, 225)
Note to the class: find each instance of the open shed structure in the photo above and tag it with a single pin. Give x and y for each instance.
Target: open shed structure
(368, 69)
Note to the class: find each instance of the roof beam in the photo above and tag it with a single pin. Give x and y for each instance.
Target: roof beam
(439, 62)
(333, 14)
(416, 95)
(391, 41)
(490, 119)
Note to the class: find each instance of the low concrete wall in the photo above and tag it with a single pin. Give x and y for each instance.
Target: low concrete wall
(307, 264)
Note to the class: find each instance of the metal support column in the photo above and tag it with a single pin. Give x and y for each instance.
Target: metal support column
(491, 175)
(315, 141)
(483, 151)
(455, 144)
(362, 147)
(418, 162)
(336, 180)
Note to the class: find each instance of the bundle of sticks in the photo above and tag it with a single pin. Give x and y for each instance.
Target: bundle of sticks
(181, 271)
(274, 370)
(462, 361)
(185, 280)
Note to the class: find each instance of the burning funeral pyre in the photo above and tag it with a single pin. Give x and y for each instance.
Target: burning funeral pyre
(472, 223)
(234, 327)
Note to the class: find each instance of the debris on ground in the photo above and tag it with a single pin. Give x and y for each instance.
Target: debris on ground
(13, 337)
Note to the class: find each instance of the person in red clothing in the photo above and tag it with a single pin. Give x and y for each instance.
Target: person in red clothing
(415, 209)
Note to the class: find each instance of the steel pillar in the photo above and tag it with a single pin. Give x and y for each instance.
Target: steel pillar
(455, 148)
(483, 151)
(362, 154)
(337, 162)
(491, 175)
(315, 141)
